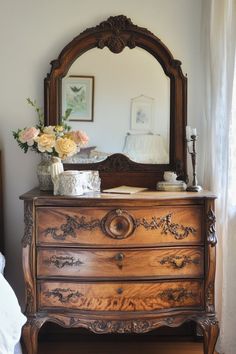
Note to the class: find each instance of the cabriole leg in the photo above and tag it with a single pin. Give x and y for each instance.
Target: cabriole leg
(210, 329)
(30, 335)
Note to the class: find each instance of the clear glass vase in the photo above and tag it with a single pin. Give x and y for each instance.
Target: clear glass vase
(44, 173)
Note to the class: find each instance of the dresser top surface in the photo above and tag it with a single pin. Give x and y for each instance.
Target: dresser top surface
(146, 195)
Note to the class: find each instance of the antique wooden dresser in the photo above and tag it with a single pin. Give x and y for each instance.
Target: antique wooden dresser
(113, 263)
(119, 264)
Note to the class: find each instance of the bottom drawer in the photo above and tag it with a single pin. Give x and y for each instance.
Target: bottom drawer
(120, 296)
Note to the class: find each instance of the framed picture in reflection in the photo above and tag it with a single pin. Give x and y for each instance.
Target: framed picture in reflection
(142, 113)
(78, 95)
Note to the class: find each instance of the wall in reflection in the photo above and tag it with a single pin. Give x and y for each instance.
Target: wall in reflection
(118, 79)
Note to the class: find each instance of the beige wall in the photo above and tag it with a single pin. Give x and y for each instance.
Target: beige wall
(32, 33)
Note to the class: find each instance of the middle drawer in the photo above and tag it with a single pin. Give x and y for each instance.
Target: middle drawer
(168, 262)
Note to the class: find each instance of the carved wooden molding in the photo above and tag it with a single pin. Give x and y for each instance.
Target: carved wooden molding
(72, 224)
(130, 325)
(177, 295)
(119, 224)
(29, 299)
(179, 262)
(208, 321)
(63, 295)
(210, 307)
(137, 326)
(63, 261)
(28, 220)
(210, 327)
(119, 326)
(117, 24)
(211, 229)
(167, 226)
(119, 33)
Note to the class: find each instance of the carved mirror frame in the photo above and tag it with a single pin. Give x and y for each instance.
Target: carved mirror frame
(116, 33)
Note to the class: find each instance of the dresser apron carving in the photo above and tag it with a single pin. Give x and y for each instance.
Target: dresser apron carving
(119, 265)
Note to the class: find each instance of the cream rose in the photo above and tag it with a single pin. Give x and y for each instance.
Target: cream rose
(49, 129)
(46, 142)
(65, 147)
(28, 135)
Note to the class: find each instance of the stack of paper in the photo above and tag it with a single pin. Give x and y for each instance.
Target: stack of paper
(125, 190)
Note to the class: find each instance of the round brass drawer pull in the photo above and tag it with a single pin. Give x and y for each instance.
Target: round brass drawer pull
(119, 291)
(119, 257)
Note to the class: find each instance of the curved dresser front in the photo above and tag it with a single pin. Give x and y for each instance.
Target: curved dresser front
(119, 264)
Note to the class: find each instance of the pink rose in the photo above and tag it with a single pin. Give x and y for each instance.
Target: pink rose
(79, 137)
(28, 135)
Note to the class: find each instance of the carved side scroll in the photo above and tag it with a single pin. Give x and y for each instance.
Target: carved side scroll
(211, 232)
(29, 299)
(210, 298)
(28, 219)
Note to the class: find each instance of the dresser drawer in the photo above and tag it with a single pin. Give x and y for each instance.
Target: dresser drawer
(120, 296)
(99, 227)
(168, 262)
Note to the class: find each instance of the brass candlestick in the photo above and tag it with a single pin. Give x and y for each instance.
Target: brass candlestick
(194, 187)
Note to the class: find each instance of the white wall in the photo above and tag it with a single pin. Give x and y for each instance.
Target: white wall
(117, 80)
(32, 33)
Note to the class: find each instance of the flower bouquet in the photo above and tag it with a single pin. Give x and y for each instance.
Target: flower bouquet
(57, 141)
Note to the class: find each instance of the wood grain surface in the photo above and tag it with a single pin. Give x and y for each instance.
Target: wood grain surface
(121, 263)
(121, 296)
(132, 226)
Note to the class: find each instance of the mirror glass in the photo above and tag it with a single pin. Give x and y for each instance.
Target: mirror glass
(131, 106)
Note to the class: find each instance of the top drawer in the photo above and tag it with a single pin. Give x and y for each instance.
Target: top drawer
(119, 227)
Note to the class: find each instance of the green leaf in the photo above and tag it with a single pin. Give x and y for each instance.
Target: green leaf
(38, 110)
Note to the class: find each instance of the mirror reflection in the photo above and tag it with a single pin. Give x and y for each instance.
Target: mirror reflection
(129, 110)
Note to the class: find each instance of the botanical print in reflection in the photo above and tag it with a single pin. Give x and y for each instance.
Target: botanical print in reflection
(76, 98)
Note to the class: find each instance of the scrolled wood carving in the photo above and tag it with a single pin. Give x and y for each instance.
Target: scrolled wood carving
(210, 298)
(135, 326)
(179, 262)
(122, 326)
(63, 295)
(117, 162)
(119, 224)
(166, 225)
(177, 295)
(210, 327)
(117, 37)
(29, 299)
(28, 220)
(211, 230)
(72, 224)
(63, 261)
